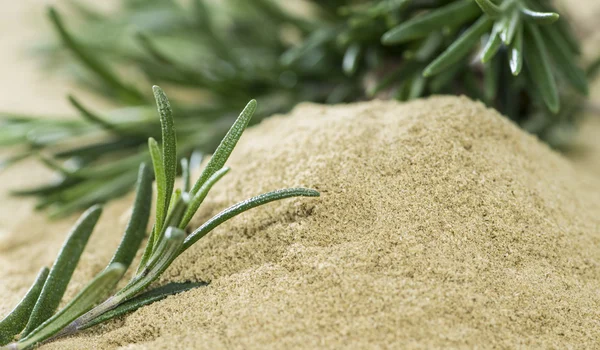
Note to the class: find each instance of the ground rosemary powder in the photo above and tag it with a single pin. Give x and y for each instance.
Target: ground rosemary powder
(440, 224)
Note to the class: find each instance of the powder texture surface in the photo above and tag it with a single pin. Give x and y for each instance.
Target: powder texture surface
(440, 224)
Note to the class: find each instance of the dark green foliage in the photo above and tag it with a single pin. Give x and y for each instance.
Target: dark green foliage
(136, 228)
(225, 52)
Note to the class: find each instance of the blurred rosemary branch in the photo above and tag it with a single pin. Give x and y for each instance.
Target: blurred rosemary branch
(517, 56)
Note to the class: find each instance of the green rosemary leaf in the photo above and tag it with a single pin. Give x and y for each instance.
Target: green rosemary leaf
(443, 81)
(492, 46)
(17, 319)
(402, 90)
(86, 12)
(178, 209)
(90, 193)
(400, 74)
(164, 254)
(136, 228)
(454, 14)
(62, 270)
(200, 195)
(89, 296)
(98, 149)
(516, 53)
(201, 12)
(593, 68)
(114, 168)
(87, 114)
(490, 87)
(196, 159)
(150, 47)
(5, 163)
(185, 174)
(275, 13)
(217, 161)
(417, 87)
(538, 64)
(429, 47)
(127, 92)
(565, 31)
(564, 61)
(45, 190)
(242, 207)
(144, 299)
(489, 8)
(509, 27)
(169, 141)
(351, 57)
(147, 251)
(315, 40)
(174, 199)
(460, 48)
(161, 184)
(540, 17)
(54, 165)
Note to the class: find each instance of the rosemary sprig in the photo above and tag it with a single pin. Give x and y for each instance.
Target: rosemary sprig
(518, 56)
(35, 319)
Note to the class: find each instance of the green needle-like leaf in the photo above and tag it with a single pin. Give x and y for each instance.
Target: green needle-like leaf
(490, 81)
(89, 296)
(417, 87)
(217, 161)
(200, 195)
(451, 15)
(143, 299)
(90, 193)
(242, 207)
(5, 163)
(492, 46)
(136, 228)
(164, 254)
(351, 57)
(62, 270)
(169, 141)
(540, 17)
(565, 32)
(564, 59)
(178, 209)
(460, 48)
(593, 69)
(54, 165)
(161, 185)
(538, 63)
(516, 53)
(489, 8)
(510, 26)
(91, 62)
(17, 319)
(88, 115)
(429, 47)
(185, 174)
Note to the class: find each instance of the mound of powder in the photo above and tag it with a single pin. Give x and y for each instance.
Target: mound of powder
(440, 224)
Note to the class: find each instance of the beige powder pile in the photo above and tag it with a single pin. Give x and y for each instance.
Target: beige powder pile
(440, 224)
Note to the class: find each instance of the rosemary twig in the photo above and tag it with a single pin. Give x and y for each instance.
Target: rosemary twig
(97, 302)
